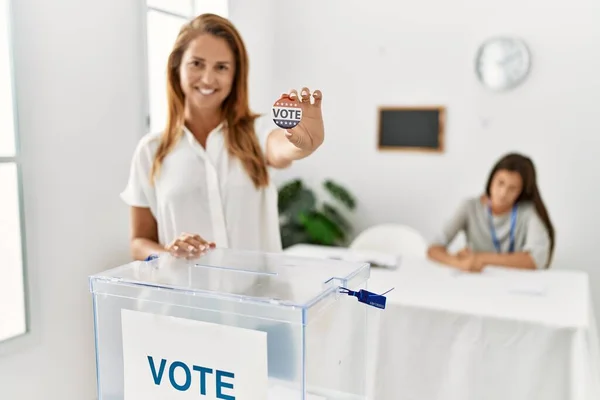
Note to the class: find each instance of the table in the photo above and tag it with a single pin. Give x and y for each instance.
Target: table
(498, 335)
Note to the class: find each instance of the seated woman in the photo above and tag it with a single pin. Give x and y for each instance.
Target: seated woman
(507, 226)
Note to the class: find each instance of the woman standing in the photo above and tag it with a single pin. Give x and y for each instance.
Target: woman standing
(204, 181)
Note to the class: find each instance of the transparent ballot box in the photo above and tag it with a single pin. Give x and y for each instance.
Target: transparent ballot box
(231, 325)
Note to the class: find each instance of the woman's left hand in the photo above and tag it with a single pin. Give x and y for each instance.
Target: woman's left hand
(309, 134)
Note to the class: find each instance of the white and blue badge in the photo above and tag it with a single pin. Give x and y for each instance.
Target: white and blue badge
(286, 113)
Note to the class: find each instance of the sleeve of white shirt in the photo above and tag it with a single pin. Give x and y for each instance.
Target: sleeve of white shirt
(139, 192)
(263, 126)
(537, 241)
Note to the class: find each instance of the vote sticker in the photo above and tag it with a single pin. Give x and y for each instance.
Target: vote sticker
(286, 113)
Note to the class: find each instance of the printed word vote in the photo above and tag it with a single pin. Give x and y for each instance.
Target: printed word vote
(287, 114)
(183, 385)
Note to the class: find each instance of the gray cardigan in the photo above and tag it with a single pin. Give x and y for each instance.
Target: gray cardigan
(472, 218)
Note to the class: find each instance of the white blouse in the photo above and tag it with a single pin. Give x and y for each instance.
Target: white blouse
(206, 192)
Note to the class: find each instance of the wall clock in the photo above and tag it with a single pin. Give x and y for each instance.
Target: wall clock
(502, 63)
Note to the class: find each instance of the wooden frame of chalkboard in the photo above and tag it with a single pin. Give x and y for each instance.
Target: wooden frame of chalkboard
(412, 128)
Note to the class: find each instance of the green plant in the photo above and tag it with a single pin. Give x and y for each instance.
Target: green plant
(305, 220)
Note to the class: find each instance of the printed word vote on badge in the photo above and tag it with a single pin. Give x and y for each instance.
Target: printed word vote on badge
(286, 112)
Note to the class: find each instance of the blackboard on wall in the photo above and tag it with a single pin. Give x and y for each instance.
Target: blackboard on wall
(412, 128)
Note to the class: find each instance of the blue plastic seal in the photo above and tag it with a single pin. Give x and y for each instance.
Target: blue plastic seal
(151, 257)
(369, 298)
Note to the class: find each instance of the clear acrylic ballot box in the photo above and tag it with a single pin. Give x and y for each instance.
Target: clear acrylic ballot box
(231, 325)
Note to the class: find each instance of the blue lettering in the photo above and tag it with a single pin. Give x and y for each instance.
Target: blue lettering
(188, 376)
(221, 384)
(156, 378)
(187, 383)
(203, 371)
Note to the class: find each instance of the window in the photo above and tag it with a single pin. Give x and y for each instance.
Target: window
(13, 313)
(164, 18)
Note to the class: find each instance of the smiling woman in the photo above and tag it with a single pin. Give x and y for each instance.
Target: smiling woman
(13, 316)
(203, 179)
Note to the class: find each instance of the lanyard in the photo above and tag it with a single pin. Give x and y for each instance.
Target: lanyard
(513, 223)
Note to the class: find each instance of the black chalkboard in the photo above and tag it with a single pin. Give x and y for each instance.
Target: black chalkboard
(411, 128)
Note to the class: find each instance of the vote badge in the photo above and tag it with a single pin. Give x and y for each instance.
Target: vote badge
(286, 112)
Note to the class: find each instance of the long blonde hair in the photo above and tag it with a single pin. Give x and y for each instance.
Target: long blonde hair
(240, 138)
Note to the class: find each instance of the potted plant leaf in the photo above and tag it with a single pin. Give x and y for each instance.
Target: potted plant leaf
(304, 219)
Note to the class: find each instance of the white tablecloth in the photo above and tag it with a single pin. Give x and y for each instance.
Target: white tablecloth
(502, 334)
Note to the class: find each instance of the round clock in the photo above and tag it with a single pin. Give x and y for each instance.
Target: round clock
(502, 63)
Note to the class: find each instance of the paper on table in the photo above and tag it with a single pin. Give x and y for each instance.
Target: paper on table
(283, 393)
(514, 284)
(376, 259)
(457, 272)
(527, 287)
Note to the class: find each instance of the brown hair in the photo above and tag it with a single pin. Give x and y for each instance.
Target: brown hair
(240, 139)
(530, 192)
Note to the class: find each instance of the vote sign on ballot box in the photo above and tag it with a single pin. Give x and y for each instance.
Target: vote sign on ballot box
(232, 325)
(165, 356)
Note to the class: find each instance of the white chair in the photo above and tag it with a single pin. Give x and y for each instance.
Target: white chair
(392, 239)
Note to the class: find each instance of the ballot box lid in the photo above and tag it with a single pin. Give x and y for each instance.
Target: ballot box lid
(269, 278)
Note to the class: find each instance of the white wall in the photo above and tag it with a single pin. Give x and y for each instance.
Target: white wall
(365, 54)
(255, 22)
(80, 115)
